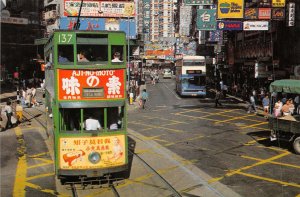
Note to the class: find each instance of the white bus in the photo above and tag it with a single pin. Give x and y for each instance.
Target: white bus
(191, 76)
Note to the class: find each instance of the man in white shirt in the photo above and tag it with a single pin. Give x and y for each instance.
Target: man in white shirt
(117, 56)
(92, 124)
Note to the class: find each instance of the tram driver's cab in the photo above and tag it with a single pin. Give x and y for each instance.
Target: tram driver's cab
(74, 119)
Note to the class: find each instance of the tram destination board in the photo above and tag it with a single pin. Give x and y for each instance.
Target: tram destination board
(93, 92)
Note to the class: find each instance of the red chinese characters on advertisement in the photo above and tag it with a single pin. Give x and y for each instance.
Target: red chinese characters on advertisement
(91, 84)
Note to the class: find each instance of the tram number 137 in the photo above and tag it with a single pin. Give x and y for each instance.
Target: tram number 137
(64, 38)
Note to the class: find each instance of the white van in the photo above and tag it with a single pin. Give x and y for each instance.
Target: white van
(167, 73)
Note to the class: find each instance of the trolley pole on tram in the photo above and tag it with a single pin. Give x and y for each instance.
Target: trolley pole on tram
(128, 47)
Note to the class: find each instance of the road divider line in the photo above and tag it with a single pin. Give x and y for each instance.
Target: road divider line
(269, 179)
(21, 171)
(37, 155)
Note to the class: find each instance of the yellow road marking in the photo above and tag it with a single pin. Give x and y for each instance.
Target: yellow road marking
(269, 179)
(44, 160)
(253, 125)
(21, 172)
(235, 118)
(170, 120)
(37, 155)
(298, 195)
(40, 176)
(255, 141)
(272, 162)
(50, 191)
(39, 165)
(159, 127)
(233, 172)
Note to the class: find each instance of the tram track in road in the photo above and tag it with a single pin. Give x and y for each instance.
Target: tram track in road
(167, 184)
(35, 114)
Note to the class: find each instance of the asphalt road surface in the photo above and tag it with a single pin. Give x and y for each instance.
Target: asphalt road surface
(226, 142)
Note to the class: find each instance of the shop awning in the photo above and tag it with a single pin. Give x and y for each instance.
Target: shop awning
(286, 85)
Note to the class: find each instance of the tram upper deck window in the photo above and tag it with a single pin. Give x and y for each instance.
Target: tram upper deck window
(65, 54)
(117, 54)
(92, 48)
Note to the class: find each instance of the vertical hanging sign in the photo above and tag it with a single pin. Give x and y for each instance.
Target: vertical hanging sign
(291, 14)
(146, 22)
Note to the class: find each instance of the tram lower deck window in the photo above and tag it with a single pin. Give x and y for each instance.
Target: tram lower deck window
(91, 119)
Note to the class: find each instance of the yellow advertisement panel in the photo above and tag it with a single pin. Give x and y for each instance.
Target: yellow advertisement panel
(278, 3)
(91, 152)
(230, 9)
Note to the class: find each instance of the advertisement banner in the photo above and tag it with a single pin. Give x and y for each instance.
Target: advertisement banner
(230, 9)
(256, 25)
(90, 84)
(99, 8)
(229, 25)
(291, 14)
(278, 13)
(278, 3)
(206, 19)
(251, 13)
(264, 13)
(91, 152)
(199, 2)
(111, 24)
(215, 36)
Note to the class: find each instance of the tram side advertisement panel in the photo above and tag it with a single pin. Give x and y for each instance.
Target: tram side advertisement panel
(91, 84)
(92, 152)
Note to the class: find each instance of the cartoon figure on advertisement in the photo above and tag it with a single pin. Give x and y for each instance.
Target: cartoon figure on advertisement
(72, 157)
(117, 149)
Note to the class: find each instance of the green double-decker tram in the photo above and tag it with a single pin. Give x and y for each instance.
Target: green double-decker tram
(85, 102)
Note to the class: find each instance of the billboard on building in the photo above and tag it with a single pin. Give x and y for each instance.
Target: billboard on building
(110, 24)
(206, 19)
(278, 3)
(256, 25)
(251, 13)
(264, 13)
(185, 20)
(278, 13)
(99, 8)
(199, 2)
(230, 9)
(230, 25)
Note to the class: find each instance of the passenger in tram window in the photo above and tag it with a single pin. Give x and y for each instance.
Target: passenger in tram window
(92, 124)
(113, 118)
(117, 56)
(82, 56)
(61, 58)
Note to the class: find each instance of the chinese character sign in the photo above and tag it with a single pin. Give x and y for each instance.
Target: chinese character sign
(101, 84)
(206, 19)
(278, 3)
(79, 153)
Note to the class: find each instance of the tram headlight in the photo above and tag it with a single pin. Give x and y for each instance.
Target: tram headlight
(94, 157)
